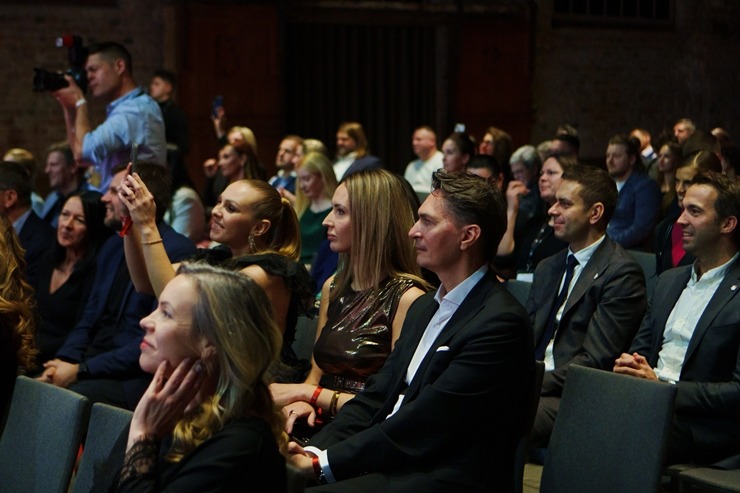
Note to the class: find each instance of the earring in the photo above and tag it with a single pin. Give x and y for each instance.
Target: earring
(252, 244)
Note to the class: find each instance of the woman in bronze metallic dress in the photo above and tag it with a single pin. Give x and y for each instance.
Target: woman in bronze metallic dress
(364, 305)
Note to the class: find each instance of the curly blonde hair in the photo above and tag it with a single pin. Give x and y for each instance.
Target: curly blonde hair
(233, 313)
(16, 295)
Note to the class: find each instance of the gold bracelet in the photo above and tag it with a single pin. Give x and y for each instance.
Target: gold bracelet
(152, 242)
(333, 404)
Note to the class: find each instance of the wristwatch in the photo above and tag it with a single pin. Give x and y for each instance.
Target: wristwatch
(82, 372)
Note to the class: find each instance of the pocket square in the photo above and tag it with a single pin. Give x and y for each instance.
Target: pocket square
(442, 348)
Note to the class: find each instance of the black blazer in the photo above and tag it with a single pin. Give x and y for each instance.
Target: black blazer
(36, 237)
(708, 397)
(463, 412)
(601, 315)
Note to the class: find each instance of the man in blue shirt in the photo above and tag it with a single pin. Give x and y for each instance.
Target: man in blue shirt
(132, 116)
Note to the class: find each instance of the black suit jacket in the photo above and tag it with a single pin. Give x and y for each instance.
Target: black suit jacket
(601, 315)
(708, 397)
(463, 411)
(366, 162)
(36, 237)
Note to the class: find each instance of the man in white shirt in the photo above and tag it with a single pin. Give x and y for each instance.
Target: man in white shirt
(587, 301)
(690, 337)
(419, 172)
(446, 410)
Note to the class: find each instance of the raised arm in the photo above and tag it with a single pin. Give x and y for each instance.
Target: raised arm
(147, 260)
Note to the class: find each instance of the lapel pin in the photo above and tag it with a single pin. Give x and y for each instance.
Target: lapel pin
(733, 287)
(596, 276)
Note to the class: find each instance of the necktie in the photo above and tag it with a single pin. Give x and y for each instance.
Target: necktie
(550, 329)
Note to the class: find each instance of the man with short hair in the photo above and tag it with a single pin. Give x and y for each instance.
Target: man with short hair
(35, 236)
(647, 153)
(587, 301)
(638, 206)
(566, 144)
(690, 336)
(486, 167)
(162, 88)
(133, 117)
(100, 358)
(429, 159)
(285, 163)
(683, 129)
(464, 358)
(65, 178)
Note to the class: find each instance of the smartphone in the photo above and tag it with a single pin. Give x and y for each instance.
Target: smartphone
(218, 102)
(460, 127)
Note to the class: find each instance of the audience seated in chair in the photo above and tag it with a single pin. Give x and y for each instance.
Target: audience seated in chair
(586, 302)
(690, 336)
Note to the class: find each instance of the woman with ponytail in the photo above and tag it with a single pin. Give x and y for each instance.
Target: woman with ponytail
(259, 236)
(207, 421)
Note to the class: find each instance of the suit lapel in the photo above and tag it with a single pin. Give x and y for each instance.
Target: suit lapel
(727, 290)
(550, 279)
(473, 303)
(595, 267)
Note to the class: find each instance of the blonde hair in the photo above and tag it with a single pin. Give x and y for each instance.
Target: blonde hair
(284, 236)
(16, 295)
(233, 313)
(317, 164)
(381, 215)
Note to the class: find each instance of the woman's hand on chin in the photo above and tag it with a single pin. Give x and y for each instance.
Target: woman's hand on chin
(166, 400)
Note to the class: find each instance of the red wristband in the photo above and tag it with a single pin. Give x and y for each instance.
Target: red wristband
(126, 223)
(316, 467)
(315, 396)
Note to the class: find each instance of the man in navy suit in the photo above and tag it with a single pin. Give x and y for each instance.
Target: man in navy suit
(100, 358)
(638, 206)
(690, 336)
(586, 314)
(35, 235)
(446, 410)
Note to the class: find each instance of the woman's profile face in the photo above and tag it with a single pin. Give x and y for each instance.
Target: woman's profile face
(666, 160)
(232, 218)
(169, 336)
(72, 226)
(338, 223)
(230, 162)
(452, 158)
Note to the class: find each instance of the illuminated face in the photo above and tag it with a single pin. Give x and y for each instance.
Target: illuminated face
(618, 162)
(160, 89)
(684, 175)
(551, 175)
(666, 160)
(702, 228)
(113, 206)
(338, 222)
(59, 172)
(487, 145)
(436, 235)
(232, 218)
(104, 78)
(571, 217)
(682, 132)
(452, 158)
(345, 144)
(311, 184)
(286, 154)
(231, 163)
(169, 336)
(423, 143)
(72, 225)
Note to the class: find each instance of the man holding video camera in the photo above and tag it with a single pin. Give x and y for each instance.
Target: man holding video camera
(133, 117)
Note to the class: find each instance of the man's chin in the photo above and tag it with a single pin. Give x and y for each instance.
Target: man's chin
(114, 224)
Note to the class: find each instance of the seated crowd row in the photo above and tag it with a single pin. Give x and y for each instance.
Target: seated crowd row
(588, 305)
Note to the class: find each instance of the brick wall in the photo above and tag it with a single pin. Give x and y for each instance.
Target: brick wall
(610, 80)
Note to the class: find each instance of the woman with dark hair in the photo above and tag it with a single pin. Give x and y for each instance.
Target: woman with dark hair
(457, 150)
(668, 160)
(207, 421)
(17, 322)
(66, 278)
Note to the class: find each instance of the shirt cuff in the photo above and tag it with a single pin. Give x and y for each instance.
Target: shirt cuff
(323, 462)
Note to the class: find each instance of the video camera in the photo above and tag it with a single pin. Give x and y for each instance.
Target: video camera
(43, 80)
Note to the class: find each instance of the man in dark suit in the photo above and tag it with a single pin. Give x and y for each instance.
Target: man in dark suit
(587, 301)
(35, 235)
(100, 358)
(445, 411)
(690, 336)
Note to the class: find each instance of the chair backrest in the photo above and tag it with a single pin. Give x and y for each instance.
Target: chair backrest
(41, 439)
(609, 434)
(107, 423)
(523, 446)
(648, 264)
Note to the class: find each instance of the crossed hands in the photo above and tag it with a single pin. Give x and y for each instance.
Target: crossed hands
(635, 365)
